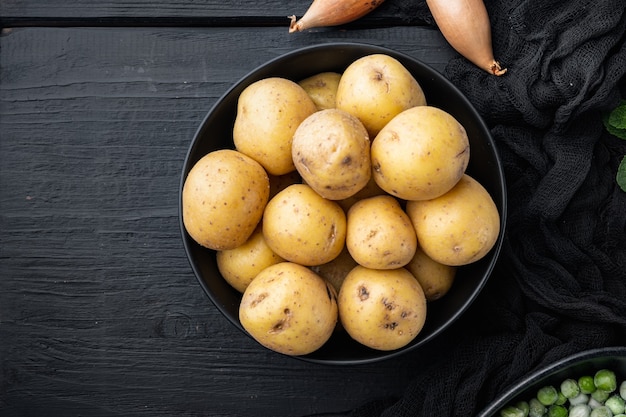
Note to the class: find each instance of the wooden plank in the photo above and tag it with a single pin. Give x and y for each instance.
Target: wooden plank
(189, 13)
(100, 313)
(121, 8)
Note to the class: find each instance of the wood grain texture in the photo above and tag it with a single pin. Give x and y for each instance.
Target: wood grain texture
(188, 13)
(173, 8)
(100, 313)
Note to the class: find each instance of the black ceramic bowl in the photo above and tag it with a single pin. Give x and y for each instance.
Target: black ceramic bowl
(215, 133)
(574, 366)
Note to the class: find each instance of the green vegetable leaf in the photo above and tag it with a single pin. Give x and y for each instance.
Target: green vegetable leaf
(617, 118)
(621, 174)
(615, 121)
(620, 133)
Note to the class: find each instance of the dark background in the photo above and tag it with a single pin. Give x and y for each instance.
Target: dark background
(100, 313)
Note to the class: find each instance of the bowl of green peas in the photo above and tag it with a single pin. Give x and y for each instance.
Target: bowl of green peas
(587, 384)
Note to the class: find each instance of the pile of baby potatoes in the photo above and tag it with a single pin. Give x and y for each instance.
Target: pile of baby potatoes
(344, 205)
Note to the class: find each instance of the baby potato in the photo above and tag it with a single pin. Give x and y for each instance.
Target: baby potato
(303, 227)
(336, 270)
(289, 308)
(223, 199)
(268, 113)
(331, 151)
(322, 88)
(459, 227)
(375, 88)
(382, 309)
(420, 154)
(435, 278)
(239, 266)
(380, 234)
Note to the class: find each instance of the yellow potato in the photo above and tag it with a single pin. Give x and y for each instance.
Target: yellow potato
(331, 151)
(336, 270)
(322, 88)
(420, 154)
(382, 309)
(459, 227)
(289, 308)
(375, 88)
(435, 278)
(380, 234)
(303, 227)
(240, 265)
(223, 199)
(268, 113)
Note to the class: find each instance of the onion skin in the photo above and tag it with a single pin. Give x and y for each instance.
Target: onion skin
(324, 13)
(465, 25)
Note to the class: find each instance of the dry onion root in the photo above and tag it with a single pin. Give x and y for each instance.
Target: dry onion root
(465, 25)
(323, 13)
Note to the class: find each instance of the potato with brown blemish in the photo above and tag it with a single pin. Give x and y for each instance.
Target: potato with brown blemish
(322, 88)
(301, 226)
(268, 113)
(420, 154)
(223, 199)
(380, 234)
(382, 309)
(289, 308)
(459, 227)
(240, 265)
(331, 151)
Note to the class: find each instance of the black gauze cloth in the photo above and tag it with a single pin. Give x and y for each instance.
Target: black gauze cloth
(560, 284)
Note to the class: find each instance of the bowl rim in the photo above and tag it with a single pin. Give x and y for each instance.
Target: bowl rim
(543, 374)
(480, 123)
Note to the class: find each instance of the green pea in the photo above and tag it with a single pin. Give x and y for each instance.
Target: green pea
(605, 380)
(580, 410)
(579, 399)
(535, 408)
(586, 384)
(616, 404)
(600, 395)
(523, 405)
(511, 411)
(561, 399)
(557, 411)
(601, 411)
(547, 395)
(570, 388)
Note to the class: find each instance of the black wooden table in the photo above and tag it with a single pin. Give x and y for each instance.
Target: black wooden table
(100, 313)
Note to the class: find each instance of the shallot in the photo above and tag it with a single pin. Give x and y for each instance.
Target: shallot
(323, 13)
(465, 25)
